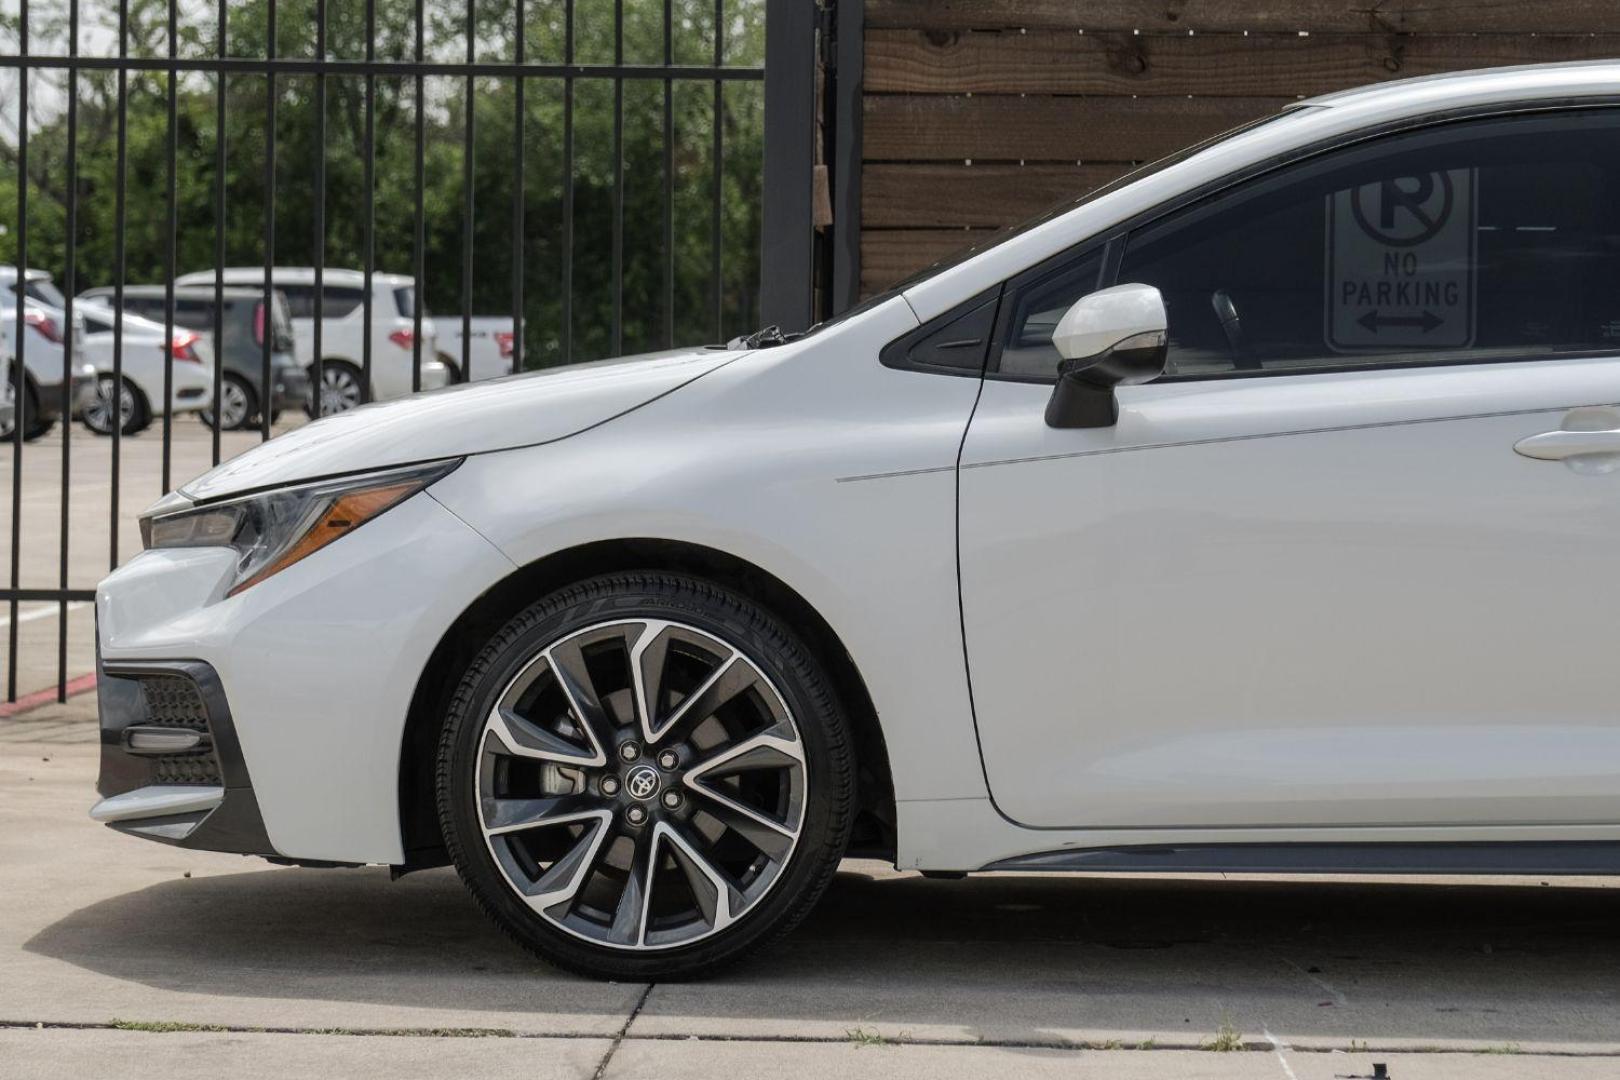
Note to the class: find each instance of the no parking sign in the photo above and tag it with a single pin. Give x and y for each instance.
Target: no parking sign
(1401, 263)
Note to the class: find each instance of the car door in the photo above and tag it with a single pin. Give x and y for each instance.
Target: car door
(1311, 577)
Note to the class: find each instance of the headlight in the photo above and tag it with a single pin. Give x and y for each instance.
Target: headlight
(274, 529)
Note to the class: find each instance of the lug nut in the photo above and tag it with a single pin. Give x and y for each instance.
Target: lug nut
(636, 814)
(610, 785)
(629, 751)
(672, 798)
(668, 759)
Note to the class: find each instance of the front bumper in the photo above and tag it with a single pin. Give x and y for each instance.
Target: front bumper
(290, 388)
(81, 393)
(314, 670)
(171, 764)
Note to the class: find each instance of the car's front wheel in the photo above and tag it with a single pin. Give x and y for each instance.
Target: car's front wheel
(645, 776)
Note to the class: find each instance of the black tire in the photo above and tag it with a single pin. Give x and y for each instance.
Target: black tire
(453, 367)
(34, 425)
(798, 682)
(249, 411)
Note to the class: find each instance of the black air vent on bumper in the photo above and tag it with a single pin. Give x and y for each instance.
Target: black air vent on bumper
(167, 724)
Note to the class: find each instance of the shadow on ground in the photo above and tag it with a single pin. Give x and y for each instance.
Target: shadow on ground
(989, 957)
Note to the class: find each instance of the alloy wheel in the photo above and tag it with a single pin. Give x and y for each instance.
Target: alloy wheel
(640, 784)
(233, 406)
(98, 412)
(340, 389)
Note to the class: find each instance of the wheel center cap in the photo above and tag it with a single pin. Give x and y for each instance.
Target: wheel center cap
(642, 783)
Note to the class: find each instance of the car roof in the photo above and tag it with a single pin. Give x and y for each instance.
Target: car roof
(300, 275)
(188, 292)
(1298, 126)
(9, 273)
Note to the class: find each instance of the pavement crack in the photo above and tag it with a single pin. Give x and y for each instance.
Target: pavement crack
(613, 1047)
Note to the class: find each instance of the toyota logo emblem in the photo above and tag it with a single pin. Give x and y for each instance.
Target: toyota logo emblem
(642, 783)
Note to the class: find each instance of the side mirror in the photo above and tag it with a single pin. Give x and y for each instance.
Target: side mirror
(1115, 337)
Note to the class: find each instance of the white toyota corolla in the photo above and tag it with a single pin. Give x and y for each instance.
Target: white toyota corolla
(1256, 513)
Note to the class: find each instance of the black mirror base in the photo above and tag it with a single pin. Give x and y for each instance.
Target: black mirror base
(1076, 403)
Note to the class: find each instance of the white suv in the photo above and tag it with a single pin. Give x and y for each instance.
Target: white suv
(343, 330)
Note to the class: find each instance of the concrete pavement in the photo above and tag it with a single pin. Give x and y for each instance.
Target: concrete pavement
(105, 937)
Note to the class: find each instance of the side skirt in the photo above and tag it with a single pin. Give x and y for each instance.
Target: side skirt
(1483, 857)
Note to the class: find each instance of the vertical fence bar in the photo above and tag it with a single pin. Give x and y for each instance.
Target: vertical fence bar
(518, 120)
(669, 178)
(267, 387)
(419, 253)
(70, 282)
(369, 225)
(170, 245)
(317, 372)
(718, 173)
(20, 400)
(467, 195)
(618, 181)
(120, 183)
(848, 75)
(787, 256)
(219, 240)
(568, 188)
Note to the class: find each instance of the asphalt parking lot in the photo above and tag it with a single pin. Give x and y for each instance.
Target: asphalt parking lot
(120, 957)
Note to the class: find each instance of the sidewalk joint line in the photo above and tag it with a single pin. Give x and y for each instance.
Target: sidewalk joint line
(613, 1047)
(624, 1035)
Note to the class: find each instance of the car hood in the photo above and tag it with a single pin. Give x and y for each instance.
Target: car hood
(472, 418)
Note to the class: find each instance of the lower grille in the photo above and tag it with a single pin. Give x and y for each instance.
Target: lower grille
(175, 701)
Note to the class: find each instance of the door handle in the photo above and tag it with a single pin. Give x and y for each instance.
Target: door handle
(1563, 445)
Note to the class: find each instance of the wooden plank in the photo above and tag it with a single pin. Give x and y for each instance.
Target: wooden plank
(954, 196)
(904, 128)
(887, 255)
(1315, 16)
(1227, 65)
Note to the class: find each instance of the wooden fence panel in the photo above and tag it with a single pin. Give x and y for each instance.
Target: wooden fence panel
(1213, 65)
(980, 113)
(1237, 16)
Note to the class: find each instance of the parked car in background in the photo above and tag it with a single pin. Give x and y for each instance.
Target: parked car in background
(343, 330)
(241, 353)
(38, 381)
(491, 352)
(8, 397)
(146, 350)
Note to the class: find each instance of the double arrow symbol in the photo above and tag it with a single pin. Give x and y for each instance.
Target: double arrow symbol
(1373, 321)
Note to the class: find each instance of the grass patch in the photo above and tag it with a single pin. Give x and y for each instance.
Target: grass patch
(862, 1037)
(1227, 1038)
(171, 1026)
(1505, 1048)
(162, 1026)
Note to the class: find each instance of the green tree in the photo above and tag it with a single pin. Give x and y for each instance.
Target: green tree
(646, 307)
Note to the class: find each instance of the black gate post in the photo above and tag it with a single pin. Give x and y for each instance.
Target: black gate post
(849, 65)
(786, 290)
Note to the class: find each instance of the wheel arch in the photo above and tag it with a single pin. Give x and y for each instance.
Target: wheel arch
(423, 843)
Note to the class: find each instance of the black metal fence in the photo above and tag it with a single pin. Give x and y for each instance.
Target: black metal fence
(506, 58)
